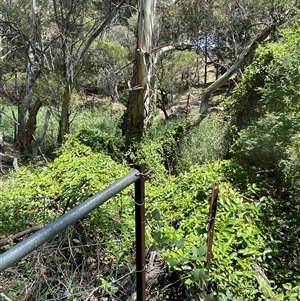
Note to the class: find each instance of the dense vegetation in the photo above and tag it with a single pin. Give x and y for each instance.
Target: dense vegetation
(249, 147)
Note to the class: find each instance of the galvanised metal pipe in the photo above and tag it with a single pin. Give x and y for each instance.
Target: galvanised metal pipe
(30, 244)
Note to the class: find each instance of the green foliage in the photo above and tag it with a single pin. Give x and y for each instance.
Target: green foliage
(171, 146)
(265, 106)
(265, 131)
(245, 103)
(108, 67)
(268, 99)
(7, 124)
(159, 148)
(103, 142)
(257, 223)
(177, 211)
(75, 175)
(175, 73)
(50, 89)
(124, 36)
(270, 84)
(34, 197)
(205, 143)
(264, 143)
(179, 229)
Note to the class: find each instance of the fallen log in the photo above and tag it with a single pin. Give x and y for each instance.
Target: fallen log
(10, 160)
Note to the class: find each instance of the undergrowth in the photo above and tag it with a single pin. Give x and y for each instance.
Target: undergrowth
(177, 211)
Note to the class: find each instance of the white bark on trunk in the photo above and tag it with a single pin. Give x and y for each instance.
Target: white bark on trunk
(143, 52)
(138, 108)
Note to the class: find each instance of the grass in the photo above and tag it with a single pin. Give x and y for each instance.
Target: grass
(101, 115)
(203, 144)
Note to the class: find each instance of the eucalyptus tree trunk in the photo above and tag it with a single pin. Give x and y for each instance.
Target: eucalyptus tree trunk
(138, 107)
(27, 111)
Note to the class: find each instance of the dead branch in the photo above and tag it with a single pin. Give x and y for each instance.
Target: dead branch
(13, 238)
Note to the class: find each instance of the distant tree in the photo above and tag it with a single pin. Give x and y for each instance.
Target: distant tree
(22, 47)
(27, 126)
(285, 13)
(176, 72)
(107, 69)
(69, 18)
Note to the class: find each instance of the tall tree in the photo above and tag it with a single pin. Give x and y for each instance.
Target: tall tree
(66, 19)
(21, 65)
(27, 125)
(139, 92)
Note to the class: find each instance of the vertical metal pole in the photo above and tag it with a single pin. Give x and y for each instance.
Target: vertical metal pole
(140, 236)
(210, 231)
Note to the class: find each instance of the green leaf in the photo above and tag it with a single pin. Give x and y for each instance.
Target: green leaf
(78, 250)
(204, 277)
(172, 262)
(179, 243)
(186, 268)
(157, 236)
(195, 251)
(198, 275)
(202, 250)
(287, 286)
(156, 215)
(188, 282)
(183, 260)
(201, 259)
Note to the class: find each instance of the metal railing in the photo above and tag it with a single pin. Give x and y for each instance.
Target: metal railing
(137, 176)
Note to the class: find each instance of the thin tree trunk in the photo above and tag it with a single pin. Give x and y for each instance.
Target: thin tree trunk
(39, 140)
(205, 60)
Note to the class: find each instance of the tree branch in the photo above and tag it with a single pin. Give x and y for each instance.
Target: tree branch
(97, 32)
(13, 238)
(182, 46)
(226, 76)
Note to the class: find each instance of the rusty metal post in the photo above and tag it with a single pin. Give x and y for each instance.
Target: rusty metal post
(210, 231)
(140, 236)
